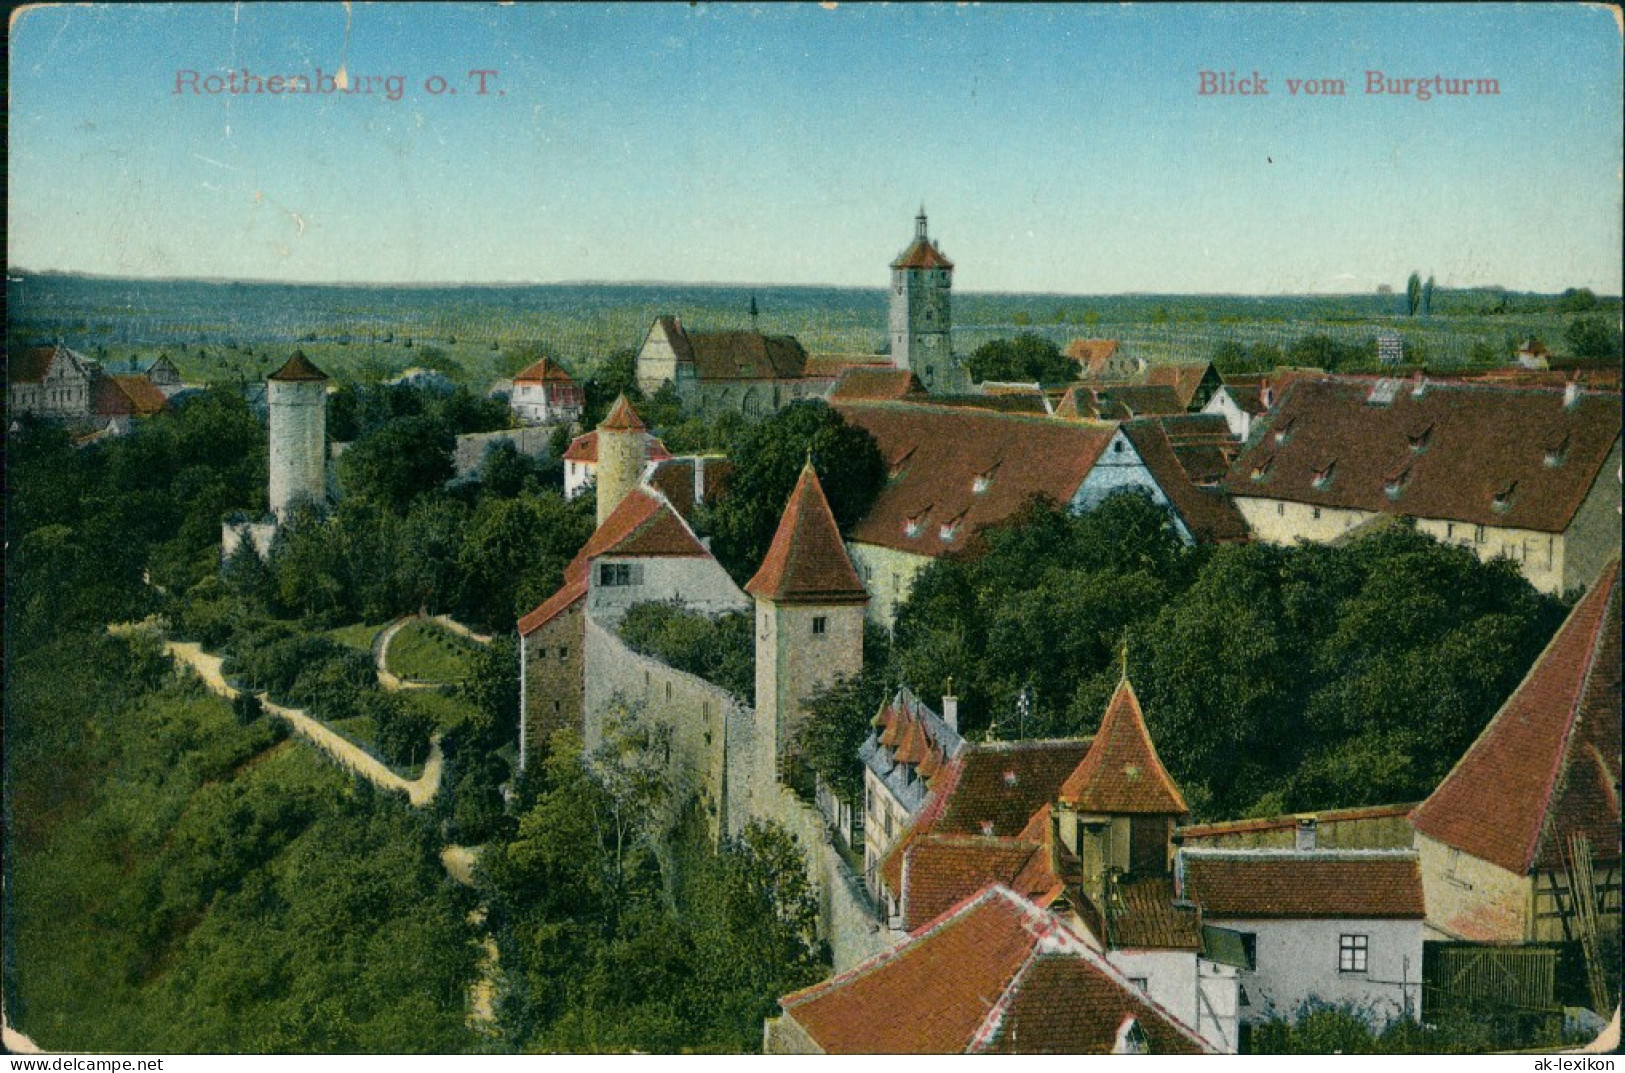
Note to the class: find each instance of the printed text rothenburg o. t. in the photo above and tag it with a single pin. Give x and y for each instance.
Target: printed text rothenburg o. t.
(479, 82)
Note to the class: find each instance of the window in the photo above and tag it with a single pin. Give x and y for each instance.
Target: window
(1141, 982)
(1351, 952)
(615, 574)
(564, 652)
(1317, 514)
(1280, 508)
(1478, 534)
(820, 624)
(668, 690)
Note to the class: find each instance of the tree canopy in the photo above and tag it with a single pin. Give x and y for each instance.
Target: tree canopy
(1026, 358)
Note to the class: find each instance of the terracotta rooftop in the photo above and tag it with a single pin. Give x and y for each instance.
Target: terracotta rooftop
(996, 974)
(1209, 513)
(1121, 772)
(30, 364)
(1092, 354)
(736, 355)
(1143, 916)
(833, 366)
(1185, 378)
(1548, 765)
(298, 367)
(956, 470)
(807, 562)
(644, 525)
(874, 382)
(1302, 885)
(922, 253)
(675, 479)
(120, 396)
(989, 789)
(1485, 455)
(940, 871)
(622, 418)
(584, 448)
(545, 371)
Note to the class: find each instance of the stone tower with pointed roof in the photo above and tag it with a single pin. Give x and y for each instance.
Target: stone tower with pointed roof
(622, 447)
(1117, 809)
(297, 397)
(809, 615)
(921, 314)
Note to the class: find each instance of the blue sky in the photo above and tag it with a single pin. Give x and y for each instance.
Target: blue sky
(1056, 148)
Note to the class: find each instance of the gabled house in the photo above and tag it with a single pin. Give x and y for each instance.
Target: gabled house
(954, 470)
(1082, 829)
(50, 381)
(1521, 841)
(117, 400)
(544, 394)
(1104, 359)
(1525, 474)
(908, 748)
(1188, 464)
(1337, 926)
(748, 372)
(995, 975)
(1193, 382)
(1241, 402)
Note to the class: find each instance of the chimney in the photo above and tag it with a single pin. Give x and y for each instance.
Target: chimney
(950, 709)
(1307, 826)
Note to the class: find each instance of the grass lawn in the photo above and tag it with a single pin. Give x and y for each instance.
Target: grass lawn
(427, 652)
(358, 636)
(446, 711)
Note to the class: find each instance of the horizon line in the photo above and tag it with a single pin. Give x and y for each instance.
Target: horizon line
(17, 274)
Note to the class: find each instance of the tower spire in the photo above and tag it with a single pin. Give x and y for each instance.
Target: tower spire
(919, 222)
(753, 312)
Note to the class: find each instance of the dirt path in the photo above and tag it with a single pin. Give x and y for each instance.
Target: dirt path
(420, 792)
(17, 1043)
(459, 864)
(458, 628)
(380, 657)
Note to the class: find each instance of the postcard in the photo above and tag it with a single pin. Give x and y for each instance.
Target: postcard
(826, 528)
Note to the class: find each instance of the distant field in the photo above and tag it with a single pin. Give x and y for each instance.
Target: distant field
(223, 332)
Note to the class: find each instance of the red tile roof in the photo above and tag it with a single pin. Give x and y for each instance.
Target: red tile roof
(991, 788)
(121, 396)
(1199, 831)
(941, 456)
(643, 525)
(298, 367)
(674, 478)
(1143, 916)
(1548, 765)
(1307, 885)
(736, 355)
(1121, 772)
(1462, 444)
(545, 371)
(1092, 354)
(1185, 378)
(997, 974)
(873, 382)
(922, 253)
(940, 871)
(1209, 513)
(584, 448)
(622, 418)
(29, 365)
(807, 563)
(833, 366)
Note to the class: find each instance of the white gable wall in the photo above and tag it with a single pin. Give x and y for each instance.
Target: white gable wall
(1297, 960)
(1120, 467)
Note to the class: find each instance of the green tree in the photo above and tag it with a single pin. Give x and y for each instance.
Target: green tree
(1027, 357)
(769, 458)
(1413, 294)
(1577, 300)
(1593, 338)
(402, 460)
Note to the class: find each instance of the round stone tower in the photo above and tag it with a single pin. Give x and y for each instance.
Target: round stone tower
(297, 397)
(622, 453)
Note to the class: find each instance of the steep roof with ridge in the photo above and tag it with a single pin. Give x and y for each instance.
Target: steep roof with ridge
(1121, 772)
(298, 367)
(807, 562)
(1548, 765)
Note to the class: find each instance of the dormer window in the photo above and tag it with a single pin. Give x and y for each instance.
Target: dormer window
(1397, 481)
(1010, 778)
(987, 827)
(913, 523)
(1261, 468)
(1503, 499)
(895, 470)
(1555, 450)
(1419, 437)
(1283, 431)
(950, 529)
(980, 483)
(1323, 473)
